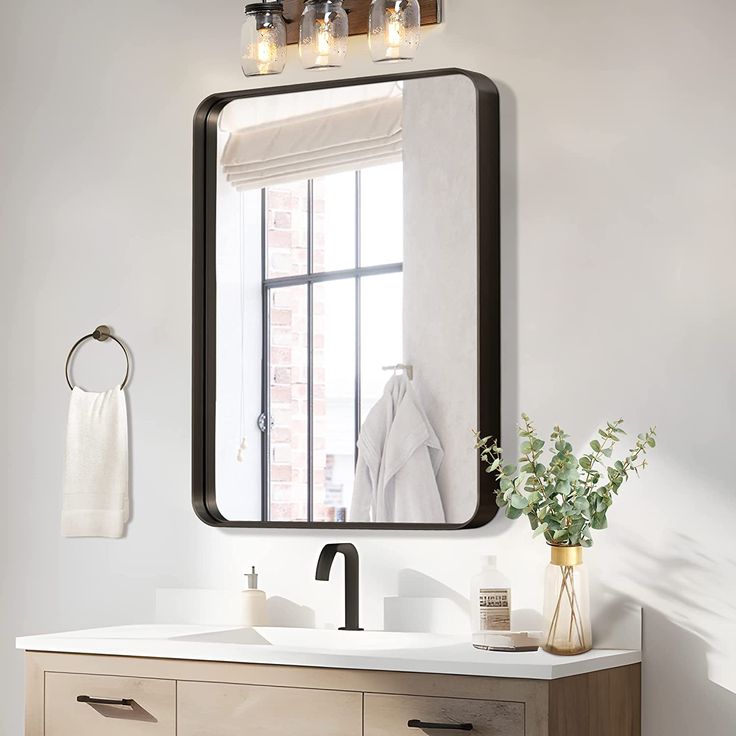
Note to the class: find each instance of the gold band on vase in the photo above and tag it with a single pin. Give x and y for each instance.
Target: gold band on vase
(566, 556)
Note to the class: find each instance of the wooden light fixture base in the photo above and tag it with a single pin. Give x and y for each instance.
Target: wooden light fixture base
(358, 9)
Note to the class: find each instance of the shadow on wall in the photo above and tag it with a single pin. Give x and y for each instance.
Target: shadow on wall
(689, 633)
(428, 606)
(283, 612)
(676, 669)
(425, 605)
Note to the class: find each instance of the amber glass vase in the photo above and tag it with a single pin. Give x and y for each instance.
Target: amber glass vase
(567, 603)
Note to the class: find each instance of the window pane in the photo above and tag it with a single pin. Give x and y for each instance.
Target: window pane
(334, 398)
(287, 385)
(286, 229)
(381, 315)
(334, 222)
(382, 215)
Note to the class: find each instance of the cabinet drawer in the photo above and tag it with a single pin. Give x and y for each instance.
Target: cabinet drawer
(389, 715)
(213, 709)
(150, 708)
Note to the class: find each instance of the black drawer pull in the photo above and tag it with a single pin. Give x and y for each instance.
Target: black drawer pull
(440, 726)
(104, 701)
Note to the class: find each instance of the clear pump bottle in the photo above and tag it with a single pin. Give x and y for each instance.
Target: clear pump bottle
(490, 597)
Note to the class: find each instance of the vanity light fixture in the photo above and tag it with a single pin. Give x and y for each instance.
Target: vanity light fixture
(394, 29)
(323, 34)
(263, 39)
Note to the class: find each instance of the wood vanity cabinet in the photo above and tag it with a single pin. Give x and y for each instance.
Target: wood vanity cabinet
(94, 695)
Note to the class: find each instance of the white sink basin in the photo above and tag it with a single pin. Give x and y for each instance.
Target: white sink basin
(323, 640)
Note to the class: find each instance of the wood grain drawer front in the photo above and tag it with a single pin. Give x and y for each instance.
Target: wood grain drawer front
(150, 708)
(389, 715)
(213, 709)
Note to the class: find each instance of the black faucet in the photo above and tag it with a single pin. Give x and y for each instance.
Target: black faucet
(352, 574)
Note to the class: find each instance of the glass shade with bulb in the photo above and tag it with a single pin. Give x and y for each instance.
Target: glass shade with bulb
(394, 29)
(263, 39)
(323, 34)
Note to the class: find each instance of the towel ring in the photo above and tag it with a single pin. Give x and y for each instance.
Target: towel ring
(101, 334)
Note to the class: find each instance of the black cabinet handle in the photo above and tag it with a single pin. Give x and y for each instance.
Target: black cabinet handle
(104, 701)
(440, 726)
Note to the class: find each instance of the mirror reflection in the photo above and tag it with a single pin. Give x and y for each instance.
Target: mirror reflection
(346, 304)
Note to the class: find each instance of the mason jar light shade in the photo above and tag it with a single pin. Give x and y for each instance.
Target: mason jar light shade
(263, 39)
(323, 34)
(394, 29)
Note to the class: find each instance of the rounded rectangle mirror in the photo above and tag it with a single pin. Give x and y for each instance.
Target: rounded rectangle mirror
(346, 303)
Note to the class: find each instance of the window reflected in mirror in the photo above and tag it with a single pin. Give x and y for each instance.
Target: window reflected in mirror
(332, 292)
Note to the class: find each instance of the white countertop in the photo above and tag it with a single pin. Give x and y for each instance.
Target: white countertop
(399, 652)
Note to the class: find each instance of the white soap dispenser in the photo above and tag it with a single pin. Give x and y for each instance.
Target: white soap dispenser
(253, 608)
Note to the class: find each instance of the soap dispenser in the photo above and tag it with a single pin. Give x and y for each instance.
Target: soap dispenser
(253, 608)
(490, 598)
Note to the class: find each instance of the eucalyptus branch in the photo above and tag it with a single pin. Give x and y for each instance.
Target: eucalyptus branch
(561, 499)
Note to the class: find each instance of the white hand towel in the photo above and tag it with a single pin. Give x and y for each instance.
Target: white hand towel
(96, 470)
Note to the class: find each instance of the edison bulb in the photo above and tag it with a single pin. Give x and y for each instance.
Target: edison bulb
(394, 29)
(323, 34)
(263, 39)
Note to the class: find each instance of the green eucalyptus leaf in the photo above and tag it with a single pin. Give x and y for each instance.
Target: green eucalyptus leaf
(513, 513)
(571, 473)
(518, 501)
(581, 503)
(562, 487)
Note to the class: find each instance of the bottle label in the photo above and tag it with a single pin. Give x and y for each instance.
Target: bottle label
(495, 609)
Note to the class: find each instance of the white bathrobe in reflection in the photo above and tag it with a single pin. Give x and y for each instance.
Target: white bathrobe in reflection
(399, 456)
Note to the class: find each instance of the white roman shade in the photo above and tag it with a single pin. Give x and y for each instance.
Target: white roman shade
(331, 141)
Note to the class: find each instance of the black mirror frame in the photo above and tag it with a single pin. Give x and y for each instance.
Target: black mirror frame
(204, 296)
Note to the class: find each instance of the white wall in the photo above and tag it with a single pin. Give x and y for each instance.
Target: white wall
(440, 274)
(619, 230)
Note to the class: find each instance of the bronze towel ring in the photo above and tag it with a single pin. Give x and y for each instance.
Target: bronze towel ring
(101, 334)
